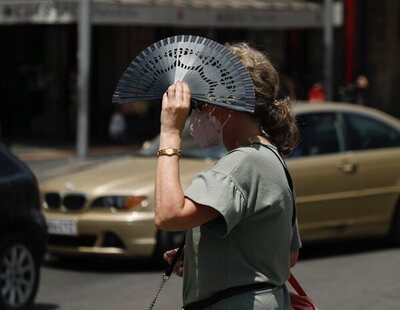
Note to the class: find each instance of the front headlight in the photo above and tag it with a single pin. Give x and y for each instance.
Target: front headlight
(120, 202)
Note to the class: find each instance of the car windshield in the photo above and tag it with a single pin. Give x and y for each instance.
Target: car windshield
(190, 149)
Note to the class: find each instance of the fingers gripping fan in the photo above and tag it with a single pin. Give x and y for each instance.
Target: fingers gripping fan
(214, 74)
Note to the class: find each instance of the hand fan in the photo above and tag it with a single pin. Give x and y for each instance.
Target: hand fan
(214, 74)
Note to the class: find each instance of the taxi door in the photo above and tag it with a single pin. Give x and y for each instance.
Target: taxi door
(325, 176)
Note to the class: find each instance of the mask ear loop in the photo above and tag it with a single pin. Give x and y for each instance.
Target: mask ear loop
(226, 121)
(228, 118)
(211, 111)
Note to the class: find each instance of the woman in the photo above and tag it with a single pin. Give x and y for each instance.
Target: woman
(238, 214)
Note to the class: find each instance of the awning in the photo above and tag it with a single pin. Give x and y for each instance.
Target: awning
(177, 13)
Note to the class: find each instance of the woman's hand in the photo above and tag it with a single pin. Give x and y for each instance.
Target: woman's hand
(169, 256)
(175, 108)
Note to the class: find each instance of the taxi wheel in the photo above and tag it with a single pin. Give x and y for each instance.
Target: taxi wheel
(167, 241)
(19, 273)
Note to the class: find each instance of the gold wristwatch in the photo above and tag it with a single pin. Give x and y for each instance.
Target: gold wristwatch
(169, 151)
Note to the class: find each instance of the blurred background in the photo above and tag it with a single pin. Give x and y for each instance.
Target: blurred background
(40, 68)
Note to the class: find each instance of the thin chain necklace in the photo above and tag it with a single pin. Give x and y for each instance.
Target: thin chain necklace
(261, 136)
(250, 139)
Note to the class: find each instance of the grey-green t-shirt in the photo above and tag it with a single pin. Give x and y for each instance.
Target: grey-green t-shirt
(252, 239)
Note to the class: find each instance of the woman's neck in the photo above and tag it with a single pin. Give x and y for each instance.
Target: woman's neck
(259, 138)
(242, 131)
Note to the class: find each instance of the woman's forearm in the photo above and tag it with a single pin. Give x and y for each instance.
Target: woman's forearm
(294, 256)
(172, 211)
(169, 196)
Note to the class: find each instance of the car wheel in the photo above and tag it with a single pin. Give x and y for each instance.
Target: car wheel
(19, 273)
(166, 241)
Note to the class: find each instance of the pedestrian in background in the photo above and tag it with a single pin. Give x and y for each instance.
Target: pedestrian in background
(361, 87)
(238, 214)
(355, 92)
(316, 94)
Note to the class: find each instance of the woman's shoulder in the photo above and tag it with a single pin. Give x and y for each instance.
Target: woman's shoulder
(252, 152)
(251, 155)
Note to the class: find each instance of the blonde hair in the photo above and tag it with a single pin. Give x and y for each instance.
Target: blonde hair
(275, 116)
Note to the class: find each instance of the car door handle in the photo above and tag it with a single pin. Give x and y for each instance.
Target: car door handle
(347, 167)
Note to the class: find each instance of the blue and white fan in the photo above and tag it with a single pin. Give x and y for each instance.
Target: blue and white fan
(214, 74)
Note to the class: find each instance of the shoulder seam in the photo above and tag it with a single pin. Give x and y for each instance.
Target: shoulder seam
(231, 179)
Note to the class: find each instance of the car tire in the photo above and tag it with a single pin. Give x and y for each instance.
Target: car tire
(166, 241)
(19, 272)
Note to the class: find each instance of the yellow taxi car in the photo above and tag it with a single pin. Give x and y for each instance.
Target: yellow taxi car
(346, 172)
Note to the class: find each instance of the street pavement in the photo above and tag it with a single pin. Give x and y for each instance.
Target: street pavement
(47, 161)
(357, 275)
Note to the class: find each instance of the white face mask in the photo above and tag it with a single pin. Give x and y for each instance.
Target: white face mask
(205, 128)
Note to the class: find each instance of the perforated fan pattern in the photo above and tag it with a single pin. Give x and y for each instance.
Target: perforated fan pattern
(213, 73)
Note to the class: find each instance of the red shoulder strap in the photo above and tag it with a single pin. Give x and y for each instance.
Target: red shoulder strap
(296, 285)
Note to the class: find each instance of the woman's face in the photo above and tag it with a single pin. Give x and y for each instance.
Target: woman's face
(211, 113)
(224, 116)
(237, 127)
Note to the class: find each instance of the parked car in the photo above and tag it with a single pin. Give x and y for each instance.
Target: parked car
(23, 234)
(346, 171)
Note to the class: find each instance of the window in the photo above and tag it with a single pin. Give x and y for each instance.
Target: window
(319, 134)
(363, 133)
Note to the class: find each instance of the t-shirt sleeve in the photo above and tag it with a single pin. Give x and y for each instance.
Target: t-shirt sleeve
(296, 241)
(218, 191)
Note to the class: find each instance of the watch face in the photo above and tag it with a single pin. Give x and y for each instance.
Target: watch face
(169, 151)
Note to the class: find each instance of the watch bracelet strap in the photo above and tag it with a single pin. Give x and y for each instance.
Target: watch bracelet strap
(169, 151)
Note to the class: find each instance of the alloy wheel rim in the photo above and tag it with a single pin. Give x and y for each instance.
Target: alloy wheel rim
(17, 275)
